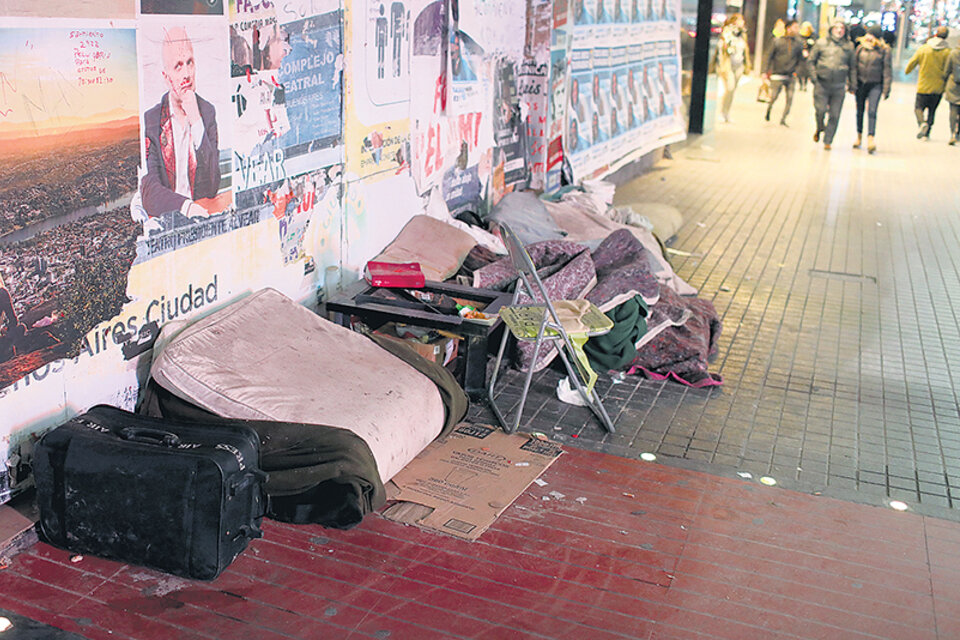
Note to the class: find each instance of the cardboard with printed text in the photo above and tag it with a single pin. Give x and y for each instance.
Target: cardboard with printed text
(461, 483)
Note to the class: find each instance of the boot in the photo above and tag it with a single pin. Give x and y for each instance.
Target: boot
(871, 144)
(856, 145)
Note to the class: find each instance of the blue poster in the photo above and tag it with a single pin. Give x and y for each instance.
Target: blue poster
(461, 189)
(311, 84)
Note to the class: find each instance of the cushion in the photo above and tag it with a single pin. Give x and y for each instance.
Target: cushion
(437, 246)
(265, 357)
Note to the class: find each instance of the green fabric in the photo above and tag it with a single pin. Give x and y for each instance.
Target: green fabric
(616, 349)
(317, 473)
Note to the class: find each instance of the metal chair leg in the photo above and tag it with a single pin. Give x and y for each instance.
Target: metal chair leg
(493, 380)
(529, 376)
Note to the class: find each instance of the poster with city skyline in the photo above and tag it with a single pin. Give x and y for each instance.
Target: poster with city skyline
(68, 99)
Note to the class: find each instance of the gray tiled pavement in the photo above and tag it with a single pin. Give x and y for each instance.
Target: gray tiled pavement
(837, 276)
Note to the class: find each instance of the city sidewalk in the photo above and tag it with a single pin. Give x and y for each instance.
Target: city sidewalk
(837, 277)
(836, 274)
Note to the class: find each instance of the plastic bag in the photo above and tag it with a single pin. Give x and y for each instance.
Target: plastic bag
(765, 92)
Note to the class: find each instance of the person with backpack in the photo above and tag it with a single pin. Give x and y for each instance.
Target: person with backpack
(873, 75)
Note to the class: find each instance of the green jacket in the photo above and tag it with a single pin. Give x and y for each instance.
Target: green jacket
(931, 58)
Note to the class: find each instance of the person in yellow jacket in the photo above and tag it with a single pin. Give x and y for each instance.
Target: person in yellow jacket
(931, 59)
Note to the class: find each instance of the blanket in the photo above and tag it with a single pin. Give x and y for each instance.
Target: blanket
(618, 270)
(686, 338)
(590, 227)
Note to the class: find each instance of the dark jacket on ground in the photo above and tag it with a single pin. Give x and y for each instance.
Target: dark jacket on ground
(873, 65)
(785, 57)
(952, 93)
(832, 62)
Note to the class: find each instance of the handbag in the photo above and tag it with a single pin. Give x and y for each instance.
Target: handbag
(765, 92)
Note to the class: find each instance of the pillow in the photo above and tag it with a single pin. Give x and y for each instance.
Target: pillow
(438, 247)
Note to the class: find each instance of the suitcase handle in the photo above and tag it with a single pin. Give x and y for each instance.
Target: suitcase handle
(150, 436)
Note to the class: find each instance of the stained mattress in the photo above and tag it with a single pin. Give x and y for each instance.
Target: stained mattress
(266, 357)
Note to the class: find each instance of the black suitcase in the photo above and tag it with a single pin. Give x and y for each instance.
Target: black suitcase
(178, 497)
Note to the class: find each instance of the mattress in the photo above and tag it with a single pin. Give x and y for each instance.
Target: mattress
(265, 357)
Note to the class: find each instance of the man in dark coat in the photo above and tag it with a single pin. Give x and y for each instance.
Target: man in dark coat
(831, 61)
(786, 56)
(183, 155)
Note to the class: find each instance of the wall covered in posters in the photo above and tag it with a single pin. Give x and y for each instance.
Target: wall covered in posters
(623, 95)
(160, 158)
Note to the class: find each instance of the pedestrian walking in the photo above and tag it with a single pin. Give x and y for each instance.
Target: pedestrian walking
(803, 71)
(786, 56)
(952, 93)
(733, 59)
(831, 61)
(873, 75)
(931, 60)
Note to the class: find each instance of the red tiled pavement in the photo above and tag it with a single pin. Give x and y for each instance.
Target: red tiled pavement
(652, 552)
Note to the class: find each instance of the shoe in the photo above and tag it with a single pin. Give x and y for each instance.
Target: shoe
(826, 146)
(783, 123)
(953, 141)
(816, 136)
(856, 145)
(767, 116)
(871, 144)
(924, 131)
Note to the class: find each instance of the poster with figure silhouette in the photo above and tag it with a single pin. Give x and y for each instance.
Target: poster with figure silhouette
(69, 150)
(386, 56)
(378, 109)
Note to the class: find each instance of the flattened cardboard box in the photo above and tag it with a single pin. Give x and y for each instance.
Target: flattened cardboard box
(460, 484)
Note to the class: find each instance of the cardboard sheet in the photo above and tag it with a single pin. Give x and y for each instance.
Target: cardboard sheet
(460, 484)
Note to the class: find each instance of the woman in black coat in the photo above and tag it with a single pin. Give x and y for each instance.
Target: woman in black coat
(873, 76)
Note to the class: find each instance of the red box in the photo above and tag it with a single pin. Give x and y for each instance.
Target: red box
(406, 275)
